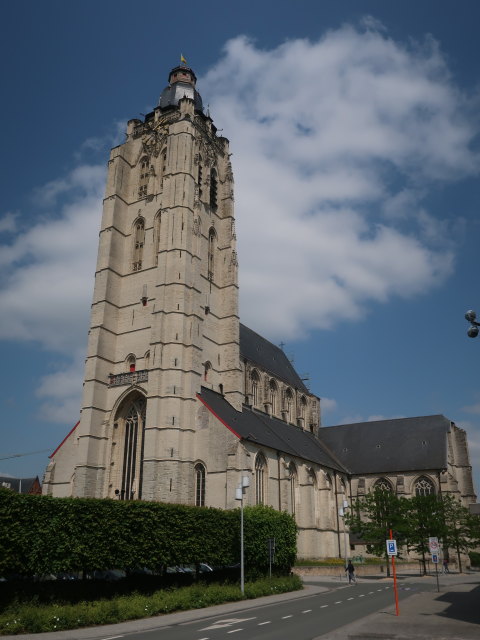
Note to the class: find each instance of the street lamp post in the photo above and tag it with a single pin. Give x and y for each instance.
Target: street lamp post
(239, 493)
(471, 317)
(342, 514)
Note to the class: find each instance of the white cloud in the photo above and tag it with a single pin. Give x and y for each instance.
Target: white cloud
(60, 392)
(336, 143)
(473, 408)
(46, 287)
(328, 405)
(8, 223)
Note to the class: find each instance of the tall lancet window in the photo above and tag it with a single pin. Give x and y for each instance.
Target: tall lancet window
(273, 392)
(200, 177)
(200, 485)
(156, 235)
(292, 475)
(164, 163)
(255, 388)
(289, 405)
(213, 189)
(138, 243)
(260, 478)
(144, 175)
(212, 243)
(131, 422)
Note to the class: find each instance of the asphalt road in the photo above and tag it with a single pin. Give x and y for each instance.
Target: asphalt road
(301, 619)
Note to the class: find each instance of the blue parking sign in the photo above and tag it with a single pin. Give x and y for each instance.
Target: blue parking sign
(435, 558)
(392, 547)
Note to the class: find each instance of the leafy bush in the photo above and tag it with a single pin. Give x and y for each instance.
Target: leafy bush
(474, 558)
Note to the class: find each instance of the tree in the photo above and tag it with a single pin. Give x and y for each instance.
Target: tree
(461, 528)
(372, 517)
(424, 518)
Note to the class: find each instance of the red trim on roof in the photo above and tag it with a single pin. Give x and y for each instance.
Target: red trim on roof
(218, 417)
(66, 438)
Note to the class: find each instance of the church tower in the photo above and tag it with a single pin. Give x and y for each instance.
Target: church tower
(164, 317)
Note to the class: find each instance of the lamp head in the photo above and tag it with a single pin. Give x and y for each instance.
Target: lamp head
(470, 316)
(472, 331)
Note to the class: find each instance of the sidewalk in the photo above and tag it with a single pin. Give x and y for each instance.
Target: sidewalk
(451, 614)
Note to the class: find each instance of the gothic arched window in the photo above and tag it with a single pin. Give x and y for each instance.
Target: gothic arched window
(156, 234)
(255, 380)
(200, 474)
(424, 487)
(200, 177)
(207, 367)
(131, 363)
(144, 175)
(382, 484)
(260, 478)
(163, 157)
(138, 244)
(130, 422)
(273, 393)
(303, 407)
(212, 241)
(289, 405)
(213, 189)
(292, 475)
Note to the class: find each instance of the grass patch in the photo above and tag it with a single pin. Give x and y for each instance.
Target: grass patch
(32, 617)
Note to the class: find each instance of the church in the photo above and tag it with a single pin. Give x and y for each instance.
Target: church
(181, 400)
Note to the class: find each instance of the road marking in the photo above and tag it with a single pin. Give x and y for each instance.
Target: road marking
(261, 623)
(234, 630)
(229, 622)
(379, 589)
(338, 602)
(306, 611)
(203, 639)
(112, 637)
(285, 617)
(323, 606)
(361, 595)
(350, 598)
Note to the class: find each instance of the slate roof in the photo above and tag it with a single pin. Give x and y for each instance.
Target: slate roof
(403, 444)
(268, 357)
(19, 485)
(263, 430)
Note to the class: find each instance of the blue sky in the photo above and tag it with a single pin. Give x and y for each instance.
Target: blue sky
(354, 128)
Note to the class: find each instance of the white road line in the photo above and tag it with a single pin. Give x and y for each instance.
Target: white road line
(112, 637)
(323, 606)
(362, 595)
(379, 589)
(370, 593)
(285, 617)
(338, 602)
(350, 598)
(234, 630)
(203, 639)
(261, 623)
(306, 611)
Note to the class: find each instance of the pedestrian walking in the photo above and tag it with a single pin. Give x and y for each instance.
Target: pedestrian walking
(445, 566)
(350, 570)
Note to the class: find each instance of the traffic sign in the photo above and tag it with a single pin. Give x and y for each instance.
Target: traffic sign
(391, 547)
(435, 558)
(433, 545)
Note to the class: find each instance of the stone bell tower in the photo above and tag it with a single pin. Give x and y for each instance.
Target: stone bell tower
(164, 316)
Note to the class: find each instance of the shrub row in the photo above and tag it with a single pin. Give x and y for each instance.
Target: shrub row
(44, 535)
(32, 618)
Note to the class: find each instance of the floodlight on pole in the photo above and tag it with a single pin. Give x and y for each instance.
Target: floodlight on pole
(473, 330)
(239, 493)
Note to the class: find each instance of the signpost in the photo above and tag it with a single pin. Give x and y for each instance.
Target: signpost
(434, 550)
(271, 552)
(392, 552)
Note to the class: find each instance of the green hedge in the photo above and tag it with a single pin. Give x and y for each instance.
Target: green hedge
(43, 535)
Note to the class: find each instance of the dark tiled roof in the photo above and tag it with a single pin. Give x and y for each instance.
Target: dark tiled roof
(269, 357)
(269, 432)
(19, 485)
(404, 444)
